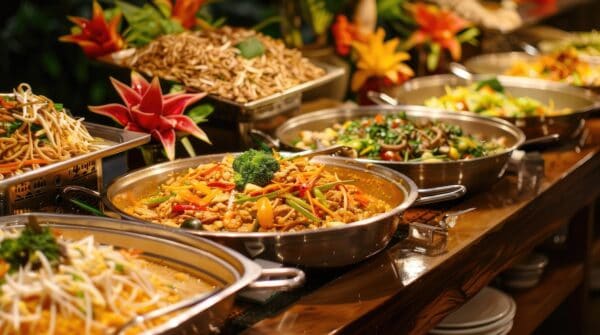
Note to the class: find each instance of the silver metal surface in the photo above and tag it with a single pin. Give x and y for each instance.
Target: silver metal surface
(219, 266)
(325, 247)
(476, 174)
(36, 189)
(581, 101)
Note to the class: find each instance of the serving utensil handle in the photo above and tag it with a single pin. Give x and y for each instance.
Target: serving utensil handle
(278, 278)
(460, 71)
(439, 194)
(259, 135)
(382, 99)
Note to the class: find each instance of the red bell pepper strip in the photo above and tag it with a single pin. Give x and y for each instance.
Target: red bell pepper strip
(180, 208)
(222, 185)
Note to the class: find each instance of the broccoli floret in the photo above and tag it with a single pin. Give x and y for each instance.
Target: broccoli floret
(255, 167)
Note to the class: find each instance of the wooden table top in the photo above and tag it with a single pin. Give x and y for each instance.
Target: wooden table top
(397, 291)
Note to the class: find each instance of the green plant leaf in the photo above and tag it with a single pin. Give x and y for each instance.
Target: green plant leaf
(251, 47)
(433, 57)
(200, 113)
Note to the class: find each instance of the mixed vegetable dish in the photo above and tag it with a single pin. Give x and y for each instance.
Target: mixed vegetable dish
(259, 191)
(564, 66)
(489, 98)
(394, 137)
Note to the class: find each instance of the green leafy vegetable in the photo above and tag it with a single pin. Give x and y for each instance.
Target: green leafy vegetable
(492, 83)
(255, 167)
(21, 250)
(251, 47)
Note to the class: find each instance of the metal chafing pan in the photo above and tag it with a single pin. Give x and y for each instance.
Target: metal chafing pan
(36, 189)
(499, 63)
(476, 174)
(325, 247)
(259, 109)
(581, 101)
(226, 269)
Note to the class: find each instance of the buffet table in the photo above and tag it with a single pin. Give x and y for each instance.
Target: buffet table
(397, 291)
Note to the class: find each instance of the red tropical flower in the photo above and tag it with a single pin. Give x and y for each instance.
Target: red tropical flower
(437, 26)
(185, 11)
(147, 110)
(344, 33)
(97, 37)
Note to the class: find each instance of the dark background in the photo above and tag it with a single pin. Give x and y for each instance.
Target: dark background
(30, 51)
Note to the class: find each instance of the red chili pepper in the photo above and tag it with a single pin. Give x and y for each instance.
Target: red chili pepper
(222, 185)
(180, 208)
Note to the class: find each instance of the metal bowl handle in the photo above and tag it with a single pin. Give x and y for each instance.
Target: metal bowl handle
(75, 188)
(259, 135)
(439, 194)
(279, 278)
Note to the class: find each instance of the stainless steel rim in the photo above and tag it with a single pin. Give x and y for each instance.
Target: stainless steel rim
(511, 81)
(411, 110)
(410, 193)
(169, 236)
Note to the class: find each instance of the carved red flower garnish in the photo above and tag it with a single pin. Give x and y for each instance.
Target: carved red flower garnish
(147, 110)
(96, 36)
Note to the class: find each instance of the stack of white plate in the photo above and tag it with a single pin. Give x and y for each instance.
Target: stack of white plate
(490, 312)
(526, 273)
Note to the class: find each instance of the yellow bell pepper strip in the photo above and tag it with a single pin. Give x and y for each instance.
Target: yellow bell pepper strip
(264, 213)
(196, 200)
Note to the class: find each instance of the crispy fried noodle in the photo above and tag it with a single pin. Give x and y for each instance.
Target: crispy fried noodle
(209, 61)
(34, 131)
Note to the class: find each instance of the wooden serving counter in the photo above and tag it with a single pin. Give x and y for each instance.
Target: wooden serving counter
(398, 292)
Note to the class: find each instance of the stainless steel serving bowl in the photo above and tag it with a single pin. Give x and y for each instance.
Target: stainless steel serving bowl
(499, 63)
(324, 247)
(476, 174)
(581, 101)
(224, 268)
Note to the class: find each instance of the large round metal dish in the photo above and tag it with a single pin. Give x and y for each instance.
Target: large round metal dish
(499, 63)
(581, 101)
(476, 174)
(325, 247)
(215, 264)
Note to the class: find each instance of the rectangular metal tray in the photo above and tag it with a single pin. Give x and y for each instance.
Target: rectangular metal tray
(38, 189)
(262, 108)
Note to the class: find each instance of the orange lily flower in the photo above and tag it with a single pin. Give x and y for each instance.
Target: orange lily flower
(438, 26)
(97, 37)
(379, 59)
(344, 33)
(185, 11)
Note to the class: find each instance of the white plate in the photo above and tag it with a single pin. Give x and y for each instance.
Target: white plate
(487, 329)
(506, 329)
(485, 307)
